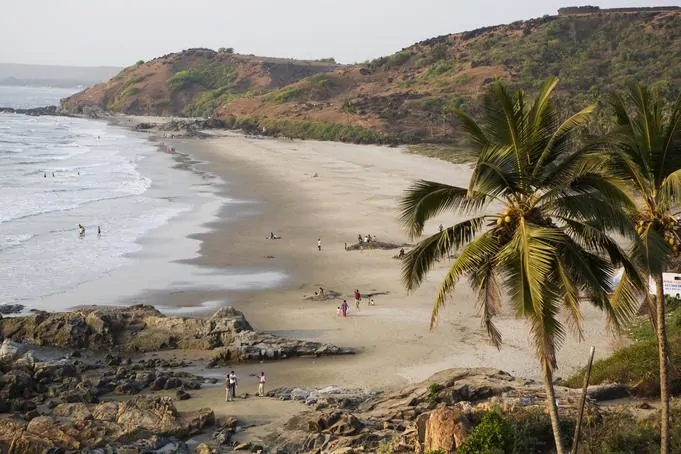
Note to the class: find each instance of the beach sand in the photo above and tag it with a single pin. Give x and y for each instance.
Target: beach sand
(356, 190)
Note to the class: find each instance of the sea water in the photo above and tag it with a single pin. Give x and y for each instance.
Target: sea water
(59, 172)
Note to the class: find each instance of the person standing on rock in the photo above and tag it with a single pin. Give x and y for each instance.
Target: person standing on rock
(261, 384)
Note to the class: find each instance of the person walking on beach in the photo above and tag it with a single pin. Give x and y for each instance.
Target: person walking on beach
(319, 244)
(344, 308)
(261, 384)
(81, 230)
(358, 297)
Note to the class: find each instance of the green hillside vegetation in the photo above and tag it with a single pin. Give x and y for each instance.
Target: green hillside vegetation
(636, 365)
(411, 92)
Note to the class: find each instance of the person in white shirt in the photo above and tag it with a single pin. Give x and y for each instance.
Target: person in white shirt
(261, 385)
(231, 383)
(319, 244)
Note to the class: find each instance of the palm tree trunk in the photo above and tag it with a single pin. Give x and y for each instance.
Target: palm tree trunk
(664, 365)
(553, 407)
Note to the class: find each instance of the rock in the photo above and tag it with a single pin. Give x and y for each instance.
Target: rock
(16, 383)
(79, 426)
(172, 383)
(242, 447)
(346, 425)
(181, 394)
(606, 392)
(6, 309)
(446, 429)
(9, 350)
(142, 328)
(127, 387)
(203, 449)
(159, 383)
(224, 436)
(230, 422)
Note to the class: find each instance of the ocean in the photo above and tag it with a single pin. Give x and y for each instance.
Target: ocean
(59, 172)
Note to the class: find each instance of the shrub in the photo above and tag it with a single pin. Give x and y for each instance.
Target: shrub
(440, 68)
(524, 432)
(491, 436)
(433, 390)
(288, 94)
(226, 50)
(208, 76)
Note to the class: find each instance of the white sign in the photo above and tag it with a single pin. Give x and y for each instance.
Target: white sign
(671, 283)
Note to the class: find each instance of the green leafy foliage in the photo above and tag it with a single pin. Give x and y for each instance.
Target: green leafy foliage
(637, 365)
(208, 76)
(526, 432)
(433, 390)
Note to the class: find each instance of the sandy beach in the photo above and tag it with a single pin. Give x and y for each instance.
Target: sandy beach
(309, 190)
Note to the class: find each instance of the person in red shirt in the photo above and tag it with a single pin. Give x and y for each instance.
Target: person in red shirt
(358, 297)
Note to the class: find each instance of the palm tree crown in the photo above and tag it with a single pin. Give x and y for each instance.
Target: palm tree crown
(547, 244)
(647, 152)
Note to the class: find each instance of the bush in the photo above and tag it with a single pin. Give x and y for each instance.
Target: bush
(637, 365)
(288, 94)
(491, 436)
(524, 432)
(209, 76)
(314, 130)
(433, 391)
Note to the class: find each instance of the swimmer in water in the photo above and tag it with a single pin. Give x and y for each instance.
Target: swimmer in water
(99, 231)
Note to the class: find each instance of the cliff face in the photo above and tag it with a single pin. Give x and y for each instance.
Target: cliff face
(407, 96)
(191, 82)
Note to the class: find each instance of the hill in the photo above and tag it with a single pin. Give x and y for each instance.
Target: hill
(55, 76)
(193, 82)
(406, 97)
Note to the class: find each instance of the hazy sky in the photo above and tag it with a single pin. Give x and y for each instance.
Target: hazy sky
(120, 32)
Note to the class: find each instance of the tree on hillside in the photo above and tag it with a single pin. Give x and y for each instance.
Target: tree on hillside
(547, 246)
(646, 150)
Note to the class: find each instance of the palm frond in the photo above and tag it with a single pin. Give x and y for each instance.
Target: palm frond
(652, 251)
(562, 133)
(670, 190)
(472, 257)
(423, 257)
(476, 135)
(529, 259)
(484, 281)
(425, 199)
(570, 299)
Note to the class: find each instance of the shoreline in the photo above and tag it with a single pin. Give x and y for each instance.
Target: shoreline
(355, 192)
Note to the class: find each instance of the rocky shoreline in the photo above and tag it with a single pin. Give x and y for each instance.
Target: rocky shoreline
(37, 111)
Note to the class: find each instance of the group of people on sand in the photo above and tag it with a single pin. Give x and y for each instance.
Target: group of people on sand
(81, 230)
(366, 239)
(232, 381)
(344, 308)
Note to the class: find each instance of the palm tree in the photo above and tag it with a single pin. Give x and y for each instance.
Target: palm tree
(546, 245)
(646, 150)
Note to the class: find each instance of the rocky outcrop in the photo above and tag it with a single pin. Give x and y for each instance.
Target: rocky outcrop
(34, 111)
(445, 429)
(436, 414)
(143, 328)
(79, 426)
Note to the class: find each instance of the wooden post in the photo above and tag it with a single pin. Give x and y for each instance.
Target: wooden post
(582, 401)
